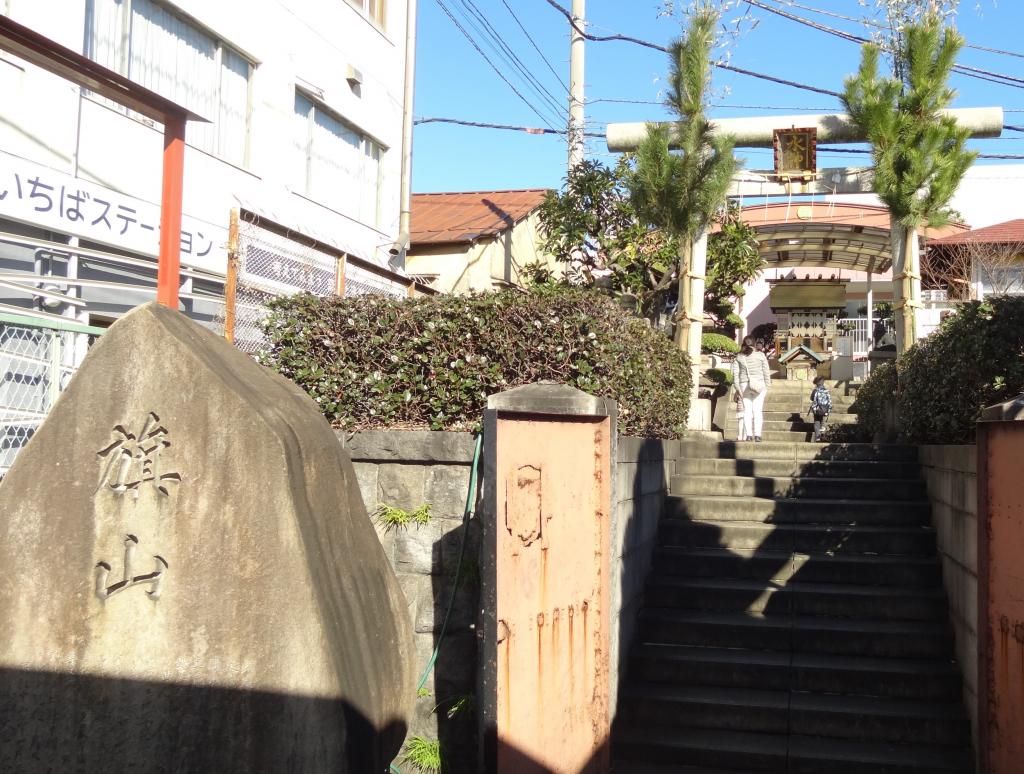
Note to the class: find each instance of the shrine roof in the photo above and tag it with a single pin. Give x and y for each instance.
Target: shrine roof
(832, 234)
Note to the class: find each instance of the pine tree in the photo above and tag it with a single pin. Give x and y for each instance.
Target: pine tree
(680, 191)
(919, 153)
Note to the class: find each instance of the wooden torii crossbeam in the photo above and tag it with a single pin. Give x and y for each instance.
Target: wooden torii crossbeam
(82, 71)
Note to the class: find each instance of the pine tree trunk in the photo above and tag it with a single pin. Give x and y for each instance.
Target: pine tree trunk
(906, 273)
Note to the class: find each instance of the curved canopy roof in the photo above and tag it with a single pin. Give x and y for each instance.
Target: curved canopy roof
(844, 236)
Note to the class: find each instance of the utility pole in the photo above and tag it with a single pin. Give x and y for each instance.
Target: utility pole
(576, 118)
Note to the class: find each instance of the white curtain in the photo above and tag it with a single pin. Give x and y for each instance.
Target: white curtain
(166, 54)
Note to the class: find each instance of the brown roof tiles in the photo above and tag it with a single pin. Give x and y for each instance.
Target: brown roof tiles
(442, 218)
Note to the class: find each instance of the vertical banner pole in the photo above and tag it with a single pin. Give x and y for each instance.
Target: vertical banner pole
(231, 280)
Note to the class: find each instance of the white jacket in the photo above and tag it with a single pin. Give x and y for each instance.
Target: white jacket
(751, 372)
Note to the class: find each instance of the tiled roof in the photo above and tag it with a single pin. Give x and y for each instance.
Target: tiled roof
(441, 218)
(1010, 231)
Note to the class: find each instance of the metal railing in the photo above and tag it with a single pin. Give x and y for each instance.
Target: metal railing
(857, 329)
(38, 357)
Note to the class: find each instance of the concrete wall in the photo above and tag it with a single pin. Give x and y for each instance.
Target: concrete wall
(408, 469)
(643, 469)
(405, 470)
(951, 474)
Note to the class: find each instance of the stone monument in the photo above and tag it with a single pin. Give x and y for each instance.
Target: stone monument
(189, 579)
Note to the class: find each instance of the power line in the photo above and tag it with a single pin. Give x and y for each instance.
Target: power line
(487, 59)
(833, 149)
(971, 72)
(509, 127)
(503, 48)
(879, 25)
(664, 49)
(535, 46)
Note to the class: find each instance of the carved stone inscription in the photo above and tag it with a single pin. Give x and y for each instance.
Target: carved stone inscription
(131, 459)
(153, 579)
(128, 463)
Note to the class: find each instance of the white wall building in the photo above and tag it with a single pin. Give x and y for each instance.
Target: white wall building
(304, 101)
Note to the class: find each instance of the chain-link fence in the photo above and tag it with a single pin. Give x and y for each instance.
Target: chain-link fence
(37, 360)
(270, 264)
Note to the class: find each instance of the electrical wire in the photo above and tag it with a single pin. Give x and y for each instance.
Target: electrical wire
(833, 149)
(502, 48)
(510, 127)
(535, 46)
(720, 65)
(879, 25)
(487, 59)
(971, 72)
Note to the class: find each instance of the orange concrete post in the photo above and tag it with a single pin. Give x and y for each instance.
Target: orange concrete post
(168, 276)
(545, 676)
(1001, 589)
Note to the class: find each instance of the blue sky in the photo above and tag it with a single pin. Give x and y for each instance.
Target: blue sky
(454, 81)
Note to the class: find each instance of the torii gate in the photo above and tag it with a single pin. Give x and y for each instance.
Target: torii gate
(762, 132)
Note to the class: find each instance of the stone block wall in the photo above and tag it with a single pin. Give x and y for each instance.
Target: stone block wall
(643, 468)
(406, 470)
(951, 474)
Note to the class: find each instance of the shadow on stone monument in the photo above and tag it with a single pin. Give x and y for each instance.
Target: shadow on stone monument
(191, 581)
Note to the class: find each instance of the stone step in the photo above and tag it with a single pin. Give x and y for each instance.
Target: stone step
(779, 753)
(785, 436)
(779, 567)
(864, 452)
(779, 670)
(792, 510)
(814, 488)
(701, 466)
(790, 712)
(795, 596)
(800, 634)
(829, 539)
(836, 417)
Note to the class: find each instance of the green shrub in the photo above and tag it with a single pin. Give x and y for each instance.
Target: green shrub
(719, 376)
(764, 334)
(975, 359)
(379, 362)
(717, 344)
(873, 397)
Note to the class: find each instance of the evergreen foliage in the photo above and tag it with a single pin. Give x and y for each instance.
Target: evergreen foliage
(940, 386)
(679, 192)
(919, 154)
(733, 261)
(389, 363)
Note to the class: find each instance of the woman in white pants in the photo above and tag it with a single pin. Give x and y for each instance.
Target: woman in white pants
(751, 377)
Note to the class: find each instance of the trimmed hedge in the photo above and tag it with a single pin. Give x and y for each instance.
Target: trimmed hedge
(716, 343)
(379, 362)
(941, 385)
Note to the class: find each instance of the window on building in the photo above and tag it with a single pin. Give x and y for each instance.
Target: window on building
(337, 164)
(372, 9)
(170, 55)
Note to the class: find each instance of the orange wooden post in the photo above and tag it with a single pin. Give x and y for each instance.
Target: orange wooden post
(340, 286)
(168, 277)
(231, 279)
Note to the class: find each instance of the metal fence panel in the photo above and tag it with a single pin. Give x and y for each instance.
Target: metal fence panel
(37, 362)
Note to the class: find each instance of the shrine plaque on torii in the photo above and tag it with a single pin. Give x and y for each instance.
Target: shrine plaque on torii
(795, 152)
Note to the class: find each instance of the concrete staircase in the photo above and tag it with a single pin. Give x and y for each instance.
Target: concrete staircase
(794, 620)
(785, 410)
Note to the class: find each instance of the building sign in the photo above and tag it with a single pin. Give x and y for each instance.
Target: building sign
(34, 194)
(796, 151)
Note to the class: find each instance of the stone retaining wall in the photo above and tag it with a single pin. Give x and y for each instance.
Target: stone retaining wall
(643, 469)
(407, 469)
(951, 474)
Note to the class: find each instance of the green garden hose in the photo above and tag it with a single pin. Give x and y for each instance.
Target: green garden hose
(467, 514)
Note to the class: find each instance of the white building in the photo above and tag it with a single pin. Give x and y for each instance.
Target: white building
(304, 138)
(304, 101)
